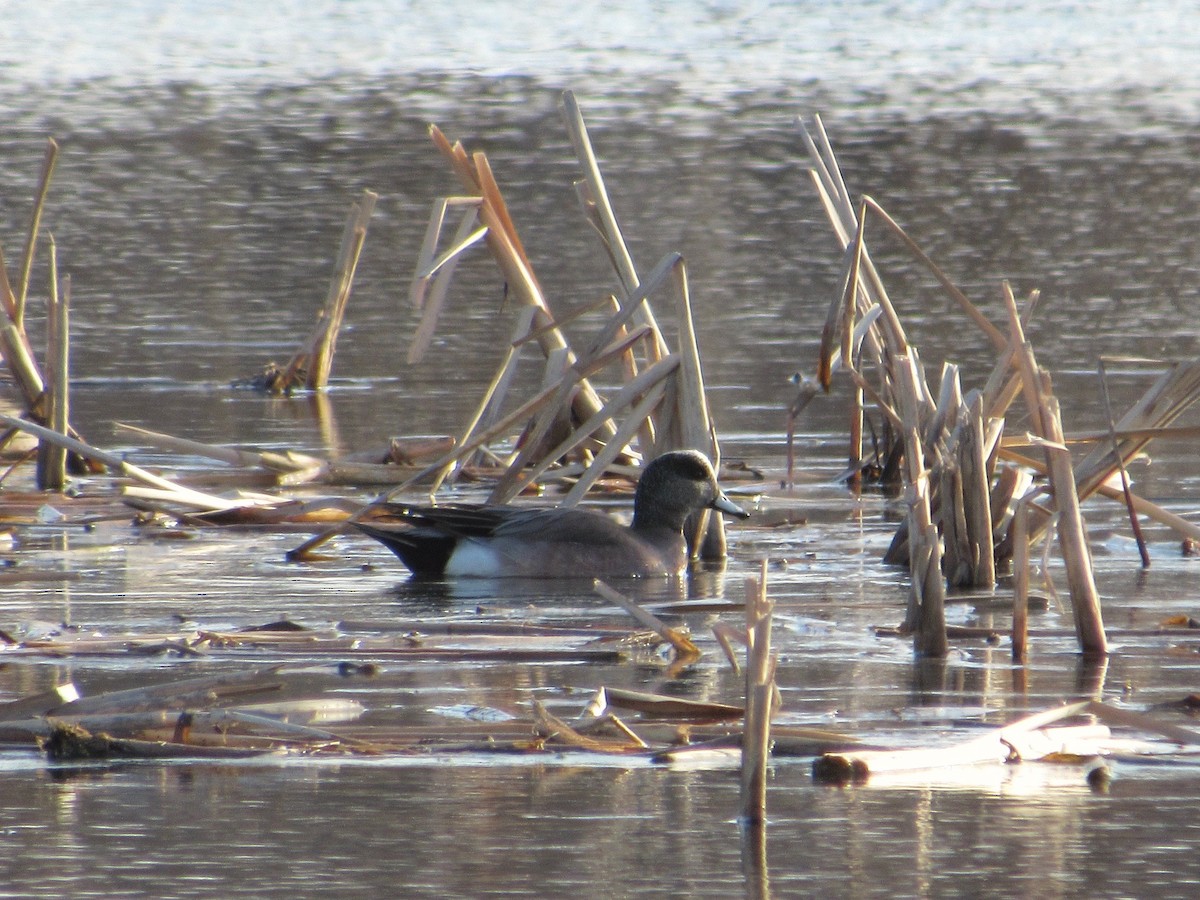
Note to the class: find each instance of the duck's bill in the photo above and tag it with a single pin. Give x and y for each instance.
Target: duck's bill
(725, 505)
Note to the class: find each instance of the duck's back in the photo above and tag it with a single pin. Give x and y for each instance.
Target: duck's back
(506, 541)
(575, 543)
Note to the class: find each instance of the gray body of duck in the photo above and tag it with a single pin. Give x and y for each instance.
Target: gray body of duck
(516, 541)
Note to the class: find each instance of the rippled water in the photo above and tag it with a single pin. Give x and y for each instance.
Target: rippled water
(208, 162)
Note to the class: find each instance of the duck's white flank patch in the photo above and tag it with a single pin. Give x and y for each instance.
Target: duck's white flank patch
(472, 559)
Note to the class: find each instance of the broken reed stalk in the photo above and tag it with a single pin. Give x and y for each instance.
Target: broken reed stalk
(35, 224)
(22, 365)
(693, 422)
(552, 728)
(613, 448)
(926, 617)
(1174, 391)
(645, 390)
(522, 412)
(314, 359)
(505, 246)
(685, 650)
(117, 464)
(994, 334)
(649, 386)
(854, 457)
(602, 347)
(493, 396)
(1020, 613)
(232, 456)
(760, 690)
(52, 456)
(349, 253)
(692, 426)
(806, 390)
(684, 424)
(1126, 490)
(862, 312)
(754, 864)
(576, 375)
(605, 219)
(647, 435)
(973, 453)
(1072, 535)
(431, 284)
(18, 355)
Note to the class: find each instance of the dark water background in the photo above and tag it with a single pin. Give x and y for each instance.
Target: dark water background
(209, 153)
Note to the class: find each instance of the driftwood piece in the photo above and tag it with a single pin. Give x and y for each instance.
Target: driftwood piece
(71, 743)
(38, 704)
(1010, 742)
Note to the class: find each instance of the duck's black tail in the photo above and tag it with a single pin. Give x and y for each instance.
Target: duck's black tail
(423, 550)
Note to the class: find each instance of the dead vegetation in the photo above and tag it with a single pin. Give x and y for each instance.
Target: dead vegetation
(976, 507)
(277, 708)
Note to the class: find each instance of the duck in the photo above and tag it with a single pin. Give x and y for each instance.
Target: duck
(462, 541)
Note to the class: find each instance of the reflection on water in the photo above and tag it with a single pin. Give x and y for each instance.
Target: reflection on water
(550, 593)
(198, 204)
(569, 831)
(549, 825)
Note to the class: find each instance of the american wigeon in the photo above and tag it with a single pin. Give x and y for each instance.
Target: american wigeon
(499, 541)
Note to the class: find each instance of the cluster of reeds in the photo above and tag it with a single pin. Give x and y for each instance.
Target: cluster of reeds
(662, 405)
(44, 399)
(43, 392)
(568, 431)
(974, 504)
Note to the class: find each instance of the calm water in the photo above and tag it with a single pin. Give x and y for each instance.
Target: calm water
(209, 157)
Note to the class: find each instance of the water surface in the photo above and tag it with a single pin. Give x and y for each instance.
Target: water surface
(208, 162)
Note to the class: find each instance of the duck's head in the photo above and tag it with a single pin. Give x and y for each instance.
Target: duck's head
(676, 485)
